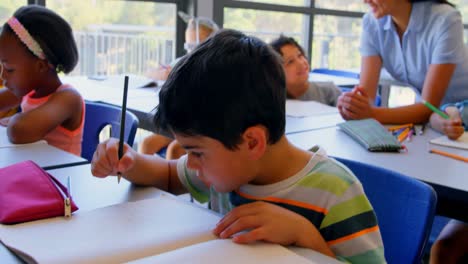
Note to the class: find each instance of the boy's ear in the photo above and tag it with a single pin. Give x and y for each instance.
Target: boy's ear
(256, 141)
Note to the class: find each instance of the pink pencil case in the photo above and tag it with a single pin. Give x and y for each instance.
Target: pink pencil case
(28, 193)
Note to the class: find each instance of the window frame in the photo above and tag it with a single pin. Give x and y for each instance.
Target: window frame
(308, 10)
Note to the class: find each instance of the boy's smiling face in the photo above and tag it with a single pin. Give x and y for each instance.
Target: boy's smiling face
(224, 169)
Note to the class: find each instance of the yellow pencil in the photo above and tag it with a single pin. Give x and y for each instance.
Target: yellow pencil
(450, 155)
(403, 134)
(394, 128)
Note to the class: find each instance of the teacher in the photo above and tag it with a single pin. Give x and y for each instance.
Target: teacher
(420, 43)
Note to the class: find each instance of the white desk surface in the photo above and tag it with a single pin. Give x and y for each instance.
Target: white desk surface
(308, 123)
(90, 193)
(417, 162)
(448, 176)
(43, 155)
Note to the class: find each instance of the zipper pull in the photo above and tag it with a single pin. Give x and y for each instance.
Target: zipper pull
(68, 210)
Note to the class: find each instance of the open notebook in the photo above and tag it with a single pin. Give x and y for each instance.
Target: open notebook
(160, 230)
(461, 142)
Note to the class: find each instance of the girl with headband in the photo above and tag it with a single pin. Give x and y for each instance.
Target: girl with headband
(35, 45)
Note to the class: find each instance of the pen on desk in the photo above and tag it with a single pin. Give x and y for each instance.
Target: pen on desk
(450, 155)
(67, 200)
(435, 109)
(122, 123)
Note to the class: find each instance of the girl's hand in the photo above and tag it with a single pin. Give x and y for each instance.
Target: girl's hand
(355, 104)
(452, 127)
(267, 222)
(106, 161)
(4, 121)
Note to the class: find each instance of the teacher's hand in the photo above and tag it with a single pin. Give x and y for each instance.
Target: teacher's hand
(355, 105)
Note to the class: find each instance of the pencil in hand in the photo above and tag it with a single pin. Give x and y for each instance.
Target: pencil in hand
(122, 124)
(435, 109)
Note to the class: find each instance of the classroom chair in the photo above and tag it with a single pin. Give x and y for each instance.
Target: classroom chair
(404, 206)
(98, 116)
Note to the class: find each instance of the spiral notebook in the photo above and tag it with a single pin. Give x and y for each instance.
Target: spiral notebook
(371, 134)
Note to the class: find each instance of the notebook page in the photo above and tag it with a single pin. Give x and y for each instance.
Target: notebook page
(113, 234)
(461, 142)
(225, 251)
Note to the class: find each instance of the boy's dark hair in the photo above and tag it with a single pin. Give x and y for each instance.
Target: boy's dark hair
(53, 34)
(228, 83)
(282, 41)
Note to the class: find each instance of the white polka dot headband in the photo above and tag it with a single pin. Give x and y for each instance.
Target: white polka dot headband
(26, 38)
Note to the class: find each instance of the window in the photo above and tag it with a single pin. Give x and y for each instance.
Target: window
(116, 37)
(8, 7)
(266, 25)
(348, 5)
(462, 6)
(336, 42)
(282, 2)
(336, 26)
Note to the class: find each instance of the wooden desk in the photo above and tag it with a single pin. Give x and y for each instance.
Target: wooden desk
(447, 176)
(90, 193)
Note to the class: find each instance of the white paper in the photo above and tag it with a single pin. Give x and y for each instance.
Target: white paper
(226, 251)
(296, 108)
(461, 142)
(113, 234)
(301, 124)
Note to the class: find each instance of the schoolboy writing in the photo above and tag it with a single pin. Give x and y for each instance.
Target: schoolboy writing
(225, 104)
(35, 45)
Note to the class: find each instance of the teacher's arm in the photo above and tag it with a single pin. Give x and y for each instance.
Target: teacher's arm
(358, 103)
(435, 85)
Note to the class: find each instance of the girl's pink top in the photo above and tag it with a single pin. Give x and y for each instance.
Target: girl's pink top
(59, 137)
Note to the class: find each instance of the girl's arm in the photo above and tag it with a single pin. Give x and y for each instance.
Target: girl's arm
(64, 108)
(8, 100)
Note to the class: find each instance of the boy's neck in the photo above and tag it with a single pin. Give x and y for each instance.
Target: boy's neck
(282, 160)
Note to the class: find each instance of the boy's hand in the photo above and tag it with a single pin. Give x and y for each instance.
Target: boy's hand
(267, 222)
(106, 159)
(355, 104)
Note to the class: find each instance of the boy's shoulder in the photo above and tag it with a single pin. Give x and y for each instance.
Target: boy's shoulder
(328, 174)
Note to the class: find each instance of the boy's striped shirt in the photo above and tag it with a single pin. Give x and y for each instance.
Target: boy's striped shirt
(327, 194)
